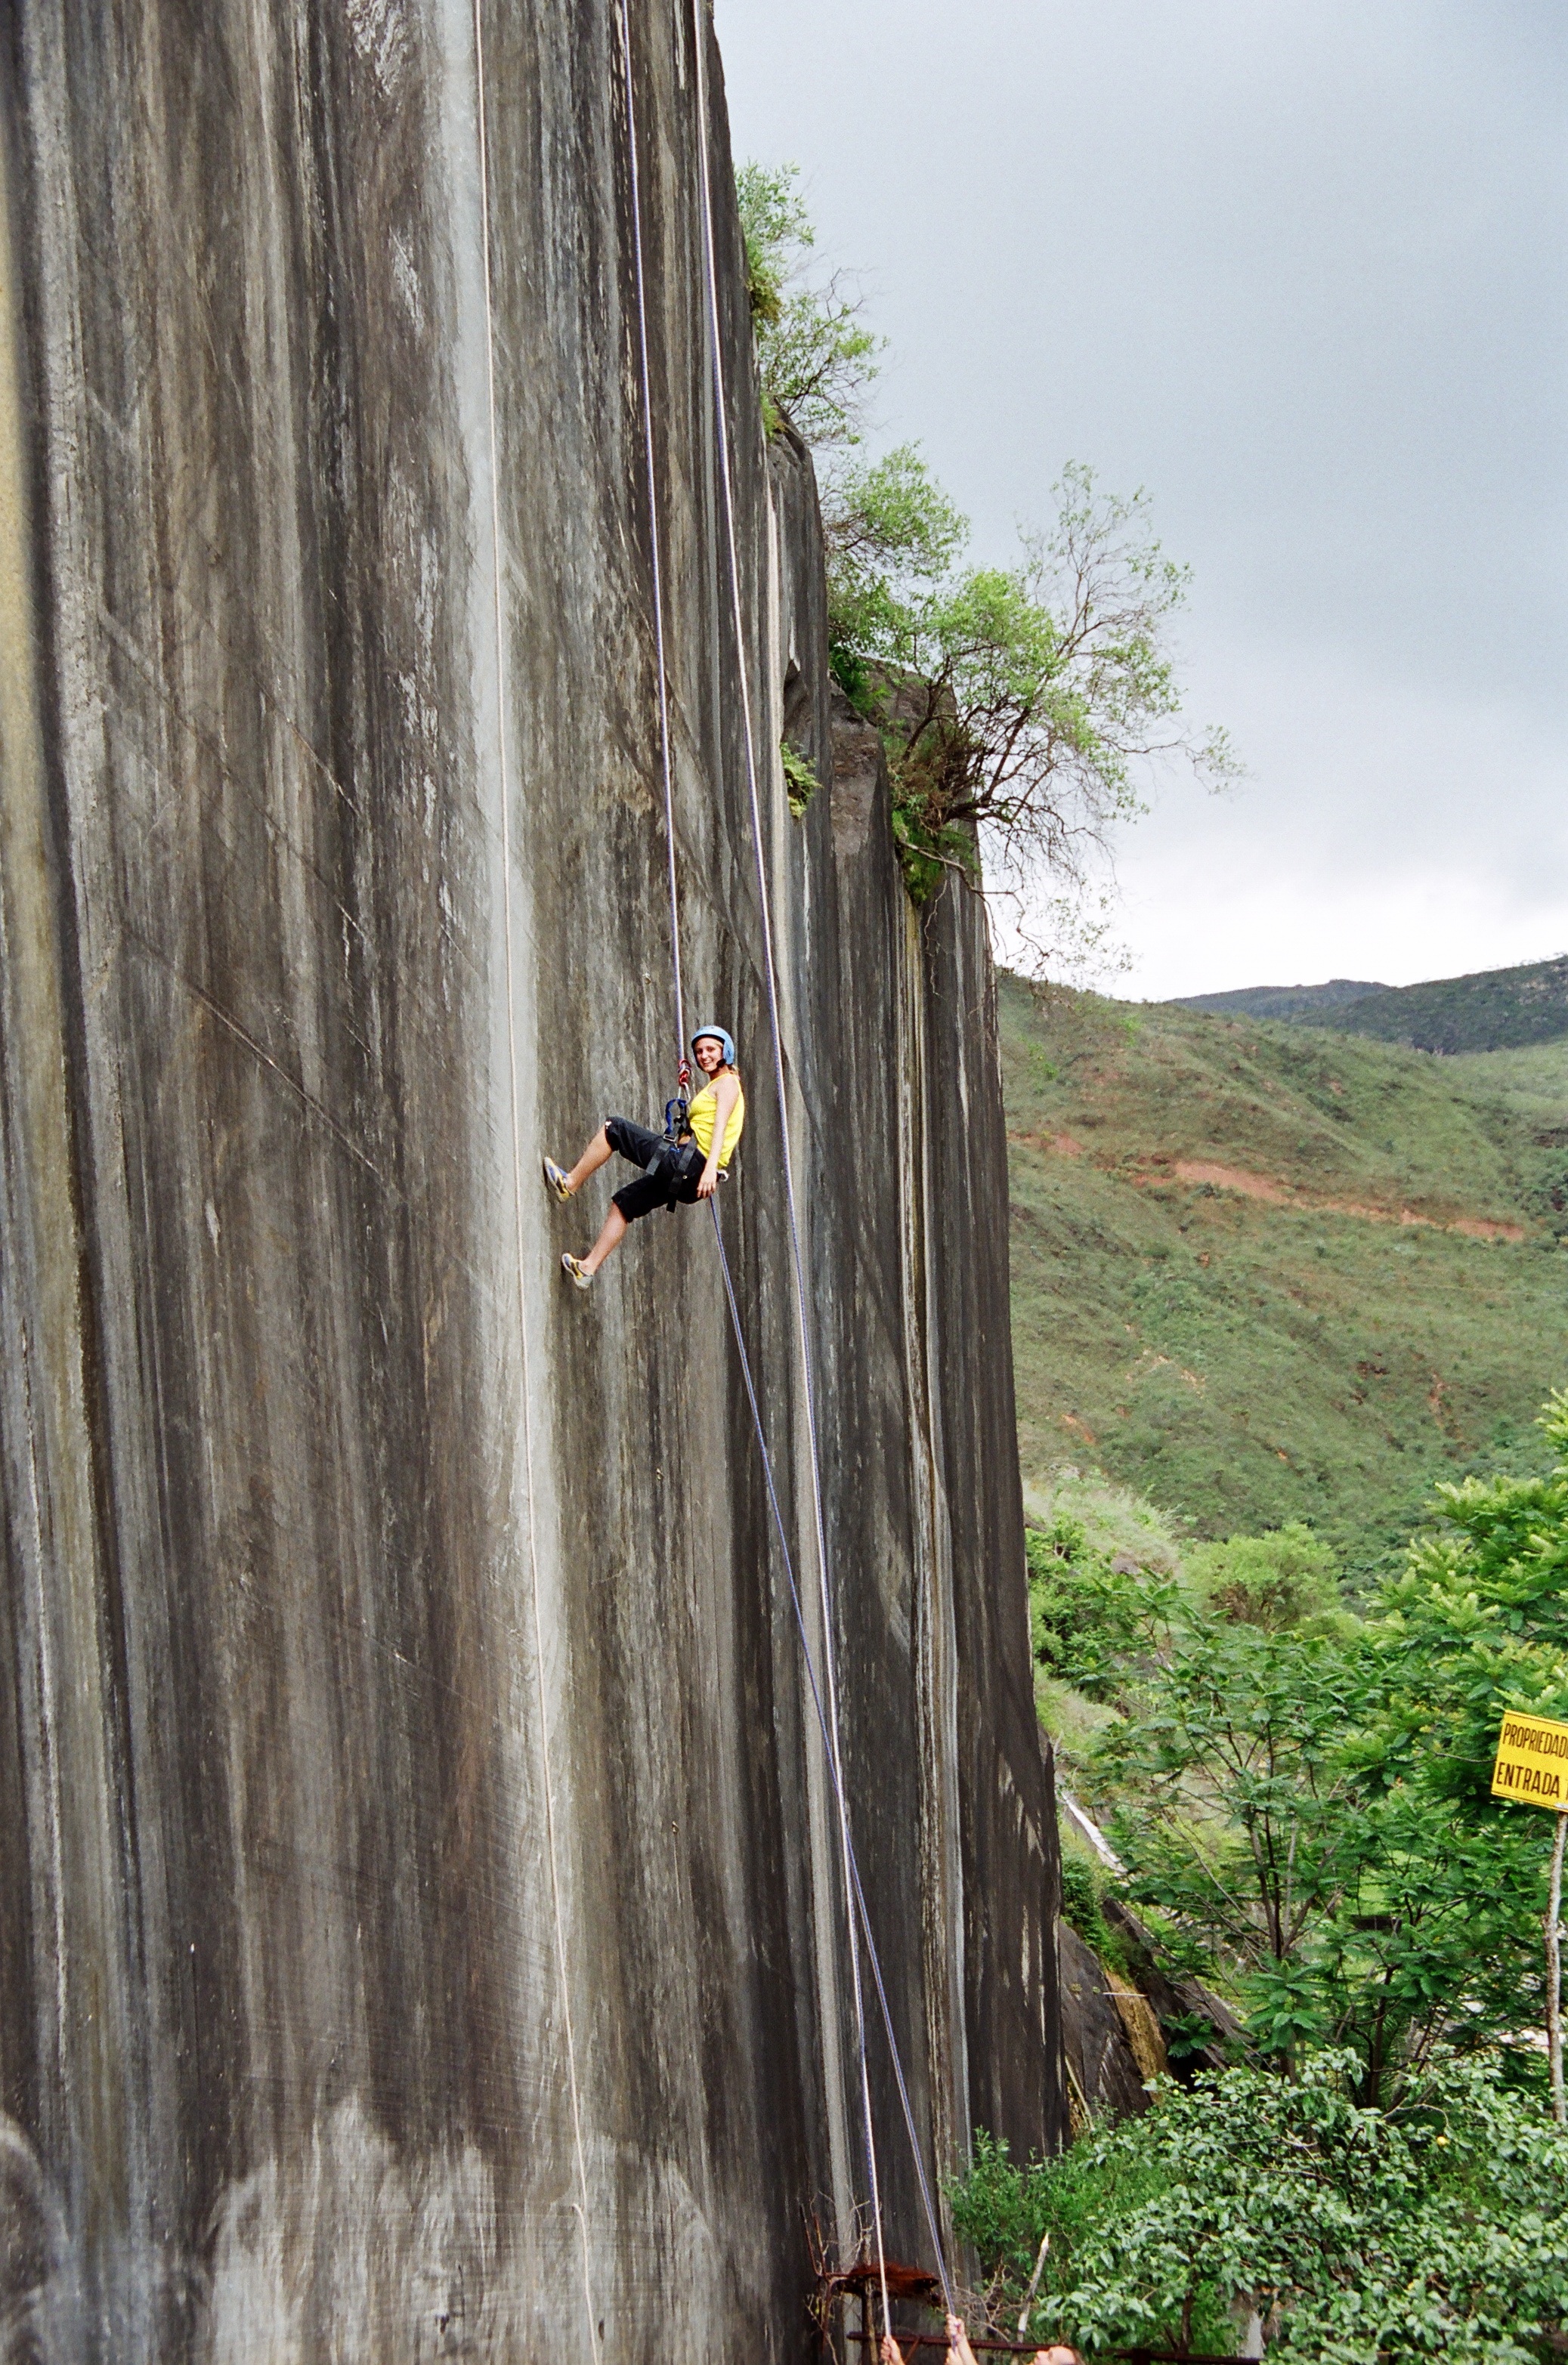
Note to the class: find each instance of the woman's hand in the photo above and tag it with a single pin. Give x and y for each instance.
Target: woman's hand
(892, 2354)
(708, 1180)
(958, 2350)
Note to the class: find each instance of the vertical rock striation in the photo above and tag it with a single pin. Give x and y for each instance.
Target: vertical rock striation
(420, 1917)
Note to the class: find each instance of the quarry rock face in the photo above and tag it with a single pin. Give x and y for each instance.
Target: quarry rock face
(421, 1922)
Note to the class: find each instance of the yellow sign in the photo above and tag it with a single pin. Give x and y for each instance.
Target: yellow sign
(1532, 1762)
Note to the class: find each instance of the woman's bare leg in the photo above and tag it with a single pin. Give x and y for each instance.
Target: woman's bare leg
(598, 1153)
(609, 1240)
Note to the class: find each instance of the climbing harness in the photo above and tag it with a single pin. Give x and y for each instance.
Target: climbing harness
(581, 2204)
(824, 1697)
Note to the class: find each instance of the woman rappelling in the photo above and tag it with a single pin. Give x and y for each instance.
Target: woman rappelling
(680, 1166)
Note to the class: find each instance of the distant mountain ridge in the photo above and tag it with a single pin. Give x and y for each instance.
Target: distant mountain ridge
(1493, 1010)
(1282, 1001)
(1490, 1010)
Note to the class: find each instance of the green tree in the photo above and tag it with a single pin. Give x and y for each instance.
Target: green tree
(1356, 2233)
(1020, 706)
(1310, 1804)
(816, 358)
(1475, 1623)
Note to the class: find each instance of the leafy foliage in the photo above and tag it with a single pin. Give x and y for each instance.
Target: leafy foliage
(800, 782)
(1306, 1802)
(1094, 1620)
(1357, 2233)
(1018, 705)
(816, 359)
(1275, 1580)
(1083, 1887)
(1344, 1907)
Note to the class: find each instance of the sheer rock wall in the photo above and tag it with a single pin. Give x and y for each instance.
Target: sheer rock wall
(421, 1930)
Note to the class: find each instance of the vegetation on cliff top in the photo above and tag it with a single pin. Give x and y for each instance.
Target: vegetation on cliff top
(1019, 706)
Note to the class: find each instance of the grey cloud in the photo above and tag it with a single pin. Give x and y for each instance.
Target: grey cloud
(1303, 271)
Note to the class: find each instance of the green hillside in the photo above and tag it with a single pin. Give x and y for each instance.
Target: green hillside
(1262, 1273)
(1282, 1001)
(1495, 1010)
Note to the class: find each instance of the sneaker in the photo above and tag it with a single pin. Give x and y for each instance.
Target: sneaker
(575, 1272)
(557, 1180)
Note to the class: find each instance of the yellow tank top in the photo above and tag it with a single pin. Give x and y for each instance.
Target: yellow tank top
(700, 1117)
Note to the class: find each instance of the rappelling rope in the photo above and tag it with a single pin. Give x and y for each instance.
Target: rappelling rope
(822, 1719)
(857, 1914)
(580, 2205)
(654, 541)
(834, 1754)
(855, 1902)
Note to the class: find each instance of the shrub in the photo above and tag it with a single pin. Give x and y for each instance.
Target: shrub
(1357, 2235)
(1275, 1580)
(815, 357)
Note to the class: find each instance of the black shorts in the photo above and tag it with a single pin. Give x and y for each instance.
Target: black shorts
(670, 1176)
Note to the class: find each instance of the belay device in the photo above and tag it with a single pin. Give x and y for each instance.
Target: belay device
(674, 1160)
(677, 1111)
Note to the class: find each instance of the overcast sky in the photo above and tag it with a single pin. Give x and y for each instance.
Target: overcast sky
(1301, 269)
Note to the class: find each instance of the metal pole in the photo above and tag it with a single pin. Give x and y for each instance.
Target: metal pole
(1554, 1973)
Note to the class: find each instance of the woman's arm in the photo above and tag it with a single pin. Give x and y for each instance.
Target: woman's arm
(958, 2350)
(726, 1093)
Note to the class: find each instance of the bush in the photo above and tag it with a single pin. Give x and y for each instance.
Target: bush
(815, 358)
(1276, 1580)
(1083, 1886)
(1357, 2235)
(1095, 1622)
(801, 783)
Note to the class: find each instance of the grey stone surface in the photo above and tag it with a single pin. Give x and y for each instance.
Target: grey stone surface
(420, 1927)
(1101, 2036)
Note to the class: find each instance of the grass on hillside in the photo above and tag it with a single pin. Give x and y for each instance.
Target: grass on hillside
(1245, 1360)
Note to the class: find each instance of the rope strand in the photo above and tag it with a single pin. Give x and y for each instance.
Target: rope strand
(654, 539)
(858, 1916)
(771, 979)
(905, 2102)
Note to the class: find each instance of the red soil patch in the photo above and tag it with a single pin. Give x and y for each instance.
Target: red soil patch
(1277, 1195)
(1062, 1143)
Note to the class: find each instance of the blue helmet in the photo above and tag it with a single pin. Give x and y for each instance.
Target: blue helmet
(721, 1035)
